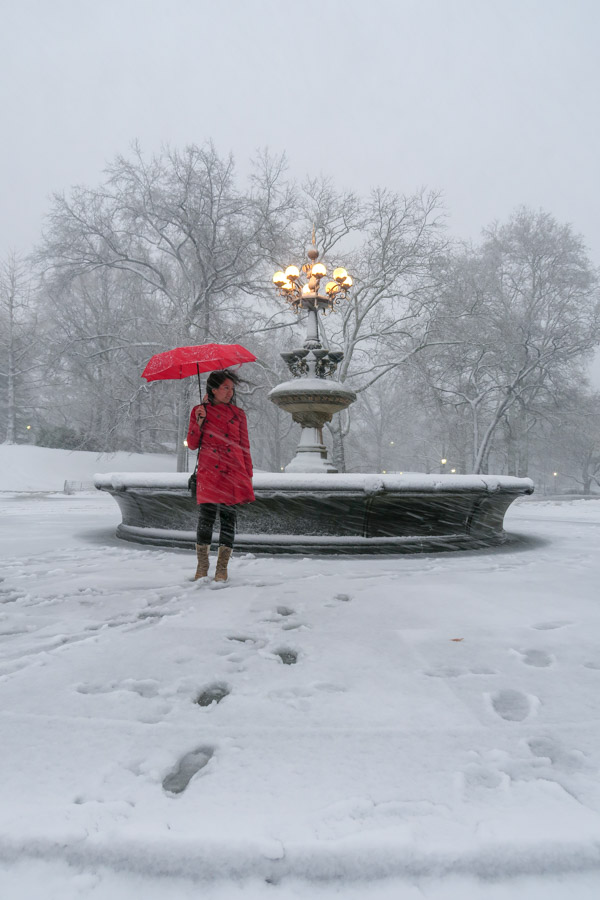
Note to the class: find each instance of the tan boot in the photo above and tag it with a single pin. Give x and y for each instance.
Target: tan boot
(222, 560)
(202, 556)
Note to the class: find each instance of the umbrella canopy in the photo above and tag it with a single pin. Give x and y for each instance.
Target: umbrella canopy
(182, 362)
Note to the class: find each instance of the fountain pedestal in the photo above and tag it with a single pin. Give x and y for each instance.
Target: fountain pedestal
(311, 397)
(311, 402)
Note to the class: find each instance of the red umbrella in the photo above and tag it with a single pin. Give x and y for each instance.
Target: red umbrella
(185, 361)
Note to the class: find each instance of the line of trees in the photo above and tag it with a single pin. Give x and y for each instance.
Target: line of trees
(472, 353)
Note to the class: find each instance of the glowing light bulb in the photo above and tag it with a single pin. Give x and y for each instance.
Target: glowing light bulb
(279, 278)
(292, 273)
(319, 270)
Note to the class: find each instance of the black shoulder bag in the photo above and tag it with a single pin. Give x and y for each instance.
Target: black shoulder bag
(193, 479)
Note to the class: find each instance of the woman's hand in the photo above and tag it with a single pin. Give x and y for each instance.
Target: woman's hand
(200, 415)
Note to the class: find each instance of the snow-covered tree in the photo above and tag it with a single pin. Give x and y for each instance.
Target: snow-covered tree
(18, 340)
(387, 242)
(516, 314)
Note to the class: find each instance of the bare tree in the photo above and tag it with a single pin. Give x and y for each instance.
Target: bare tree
(387, 242)
(17, 320)
(516, 314)
(102, 326)
(179, 224)
(567, 439)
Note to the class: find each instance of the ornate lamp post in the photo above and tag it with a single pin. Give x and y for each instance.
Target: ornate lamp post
(310, 397)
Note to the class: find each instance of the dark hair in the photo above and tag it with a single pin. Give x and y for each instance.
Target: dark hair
(216, 379)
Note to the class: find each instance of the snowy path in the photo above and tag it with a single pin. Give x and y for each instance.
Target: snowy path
(429, 720)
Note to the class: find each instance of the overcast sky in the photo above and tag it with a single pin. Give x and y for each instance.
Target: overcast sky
(494, 102)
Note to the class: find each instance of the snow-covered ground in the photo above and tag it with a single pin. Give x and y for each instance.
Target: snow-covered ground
(411, 727)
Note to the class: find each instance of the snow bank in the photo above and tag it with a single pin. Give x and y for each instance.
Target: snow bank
(24, 467)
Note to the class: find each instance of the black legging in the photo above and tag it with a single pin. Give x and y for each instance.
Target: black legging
(206, 521)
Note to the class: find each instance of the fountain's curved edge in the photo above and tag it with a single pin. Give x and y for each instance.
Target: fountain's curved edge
(308, 514)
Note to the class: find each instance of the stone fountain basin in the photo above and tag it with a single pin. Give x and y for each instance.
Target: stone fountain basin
(312, 401)
(331, 513)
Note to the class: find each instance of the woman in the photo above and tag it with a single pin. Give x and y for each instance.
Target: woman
(224, 478)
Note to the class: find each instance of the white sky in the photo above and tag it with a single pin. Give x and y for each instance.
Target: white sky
(495, 102)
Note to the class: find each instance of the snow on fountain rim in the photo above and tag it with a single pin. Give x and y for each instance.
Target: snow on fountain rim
(327, 483)
(310, 385)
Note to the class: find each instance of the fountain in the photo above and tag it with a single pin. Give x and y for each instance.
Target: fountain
(311, 507)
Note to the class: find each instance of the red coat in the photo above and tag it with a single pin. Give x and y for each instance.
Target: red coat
(224, 464)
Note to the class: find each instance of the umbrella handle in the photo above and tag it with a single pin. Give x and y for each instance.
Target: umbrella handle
(199, 382)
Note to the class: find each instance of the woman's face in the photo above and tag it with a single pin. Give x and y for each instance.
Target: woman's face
(224, 392)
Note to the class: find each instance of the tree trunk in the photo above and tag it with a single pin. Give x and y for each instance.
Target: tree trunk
(183, 415)
(10, 386)
(10, 398)
(511, 448)
(338, 450)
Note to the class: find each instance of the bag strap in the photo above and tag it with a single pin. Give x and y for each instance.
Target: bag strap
(199, 447)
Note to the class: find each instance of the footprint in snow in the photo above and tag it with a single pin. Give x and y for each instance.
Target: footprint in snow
(189, 765)
(511, 705)
(147, 688)
(444, 672)
(453, 672)
(546, 748)
(285, 611)
(478, 777)
(288, 657)
(538, 658)
(8, 596)
(338, 598)
(592, 665)
(213, 693)
(551, 626)
(151, 614)
(292, 626)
